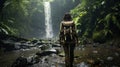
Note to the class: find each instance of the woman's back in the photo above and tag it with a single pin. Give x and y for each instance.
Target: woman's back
(68, 31)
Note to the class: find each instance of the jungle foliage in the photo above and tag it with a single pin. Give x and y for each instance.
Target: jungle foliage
(16, 16)
(95, 19)
(25, 18)
(98, 19)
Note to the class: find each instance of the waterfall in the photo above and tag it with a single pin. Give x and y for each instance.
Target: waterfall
(48, 20)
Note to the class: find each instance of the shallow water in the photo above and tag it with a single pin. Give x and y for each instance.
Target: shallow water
(84, 57)
(7, 58)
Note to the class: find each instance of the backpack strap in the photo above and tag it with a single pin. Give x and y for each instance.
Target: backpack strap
(67, 26)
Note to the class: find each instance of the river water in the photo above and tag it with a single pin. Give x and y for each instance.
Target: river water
(7, 58)
(84, 57)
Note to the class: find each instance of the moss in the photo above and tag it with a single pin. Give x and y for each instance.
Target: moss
(99, 37)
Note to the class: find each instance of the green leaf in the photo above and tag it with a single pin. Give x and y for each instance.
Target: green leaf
(108, 17)
(5, 31)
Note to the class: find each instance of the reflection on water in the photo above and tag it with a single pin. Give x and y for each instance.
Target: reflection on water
(89, 57)
(50, 61)
(7, 58)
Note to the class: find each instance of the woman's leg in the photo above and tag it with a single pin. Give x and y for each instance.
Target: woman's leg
(71, 54)
(66, 51)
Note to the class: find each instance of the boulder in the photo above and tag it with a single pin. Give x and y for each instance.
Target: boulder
(20, 62)
(47, 52)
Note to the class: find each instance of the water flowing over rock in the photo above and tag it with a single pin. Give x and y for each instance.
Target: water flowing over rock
(48, 20)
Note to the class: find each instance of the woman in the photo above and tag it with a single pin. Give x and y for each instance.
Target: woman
(68, 39)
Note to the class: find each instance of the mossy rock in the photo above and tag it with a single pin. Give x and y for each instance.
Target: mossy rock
(99, 37)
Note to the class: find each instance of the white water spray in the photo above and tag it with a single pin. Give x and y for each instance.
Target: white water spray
(48, 20)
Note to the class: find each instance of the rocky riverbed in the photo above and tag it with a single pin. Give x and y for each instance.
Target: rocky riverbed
(38, 53)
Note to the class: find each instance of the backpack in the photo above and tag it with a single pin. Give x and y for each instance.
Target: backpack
(68, 32)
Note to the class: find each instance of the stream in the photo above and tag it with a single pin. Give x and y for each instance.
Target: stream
(52, 55)
(7, 58)
(46, 54)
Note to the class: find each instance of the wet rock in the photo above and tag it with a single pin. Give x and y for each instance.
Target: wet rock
(115, 66)
(33, 60)
(8, 47)
(111, 43)
(34, 41)
(17, 45)
(30, 59)
(56, 45)
(22, 42)
(116, 54)
(20, 62)
(41, 65)
(40, 46)
(24, 46)
(90, 61)
(109, 58)
(36, 60)
(82, 64)
(82, 47)
(45, 59)
(97, 63)
(38, 43)
(62, 54)
(47, 52)
(76, 56)
(96, 44)
(28, 42)
(95, 52)
(44, 47)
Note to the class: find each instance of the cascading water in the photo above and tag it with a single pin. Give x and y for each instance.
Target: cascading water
(48, 20)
